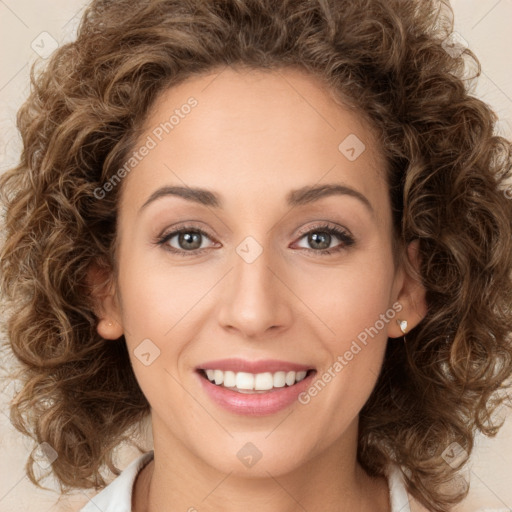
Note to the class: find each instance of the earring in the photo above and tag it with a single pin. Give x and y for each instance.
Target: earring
(403, 325)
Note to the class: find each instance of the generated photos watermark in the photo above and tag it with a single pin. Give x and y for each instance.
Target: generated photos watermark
(151, 142)
(343, 360)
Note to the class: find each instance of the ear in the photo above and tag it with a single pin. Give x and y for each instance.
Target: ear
(410, 294)
(103, 292)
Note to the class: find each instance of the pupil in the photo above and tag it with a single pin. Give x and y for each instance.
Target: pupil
(187, 240)
(315, 238)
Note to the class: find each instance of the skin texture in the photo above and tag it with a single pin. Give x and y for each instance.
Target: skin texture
(252, 138)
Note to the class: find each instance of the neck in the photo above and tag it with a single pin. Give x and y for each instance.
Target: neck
(331, 481)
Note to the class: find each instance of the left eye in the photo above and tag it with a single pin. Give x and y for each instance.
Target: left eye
(320, 239)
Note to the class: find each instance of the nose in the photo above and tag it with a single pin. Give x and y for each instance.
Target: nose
(255, 299)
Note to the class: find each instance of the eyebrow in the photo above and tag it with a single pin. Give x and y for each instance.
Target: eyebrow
(299, 197)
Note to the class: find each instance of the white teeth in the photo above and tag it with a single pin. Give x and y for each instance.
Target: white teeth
(263, 381)
(244, 382)
(218, 376)
(279, 379)
(300, 376)
(229, 379)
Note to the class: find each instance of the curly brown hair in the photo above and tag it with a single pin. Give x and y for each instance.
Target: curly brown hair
(447, 170)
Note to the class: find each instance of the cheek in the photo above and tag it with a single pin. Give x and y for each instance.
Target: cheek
(163, 308)
(155, 297)
(354, 303)
(348, 299)
(352, 357)
(156, 305)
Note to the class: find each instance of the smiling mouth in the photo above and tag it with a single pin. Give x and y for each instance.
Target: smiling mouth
(254, 383)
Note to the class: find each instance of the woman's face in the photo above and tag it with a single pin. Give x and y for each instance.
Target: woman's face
(279, 163)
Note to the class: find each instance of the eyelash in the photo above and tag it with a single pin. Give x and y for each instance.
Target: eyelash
(346, 239)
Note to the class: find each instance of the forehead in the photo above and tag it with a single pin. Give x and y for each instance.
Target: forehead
(258, 129)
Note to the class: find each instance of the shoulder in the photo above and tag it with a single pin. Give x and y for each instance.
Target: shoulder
(117, 496)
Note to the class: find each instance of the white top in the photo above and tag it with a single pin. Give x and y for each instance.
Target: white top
(117, 496)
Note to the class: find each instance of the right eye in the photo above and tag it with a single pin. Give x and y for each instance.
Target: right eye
(188, 238)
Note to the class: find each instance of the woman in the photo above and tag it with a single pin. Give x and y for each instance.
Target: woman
(280, 230)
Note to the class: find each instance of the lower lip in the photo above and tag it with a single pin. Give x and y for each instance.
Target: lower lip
(255, 404)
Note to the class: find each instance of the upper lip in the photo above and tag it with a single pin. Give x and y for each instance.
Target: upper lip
(262, 366)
